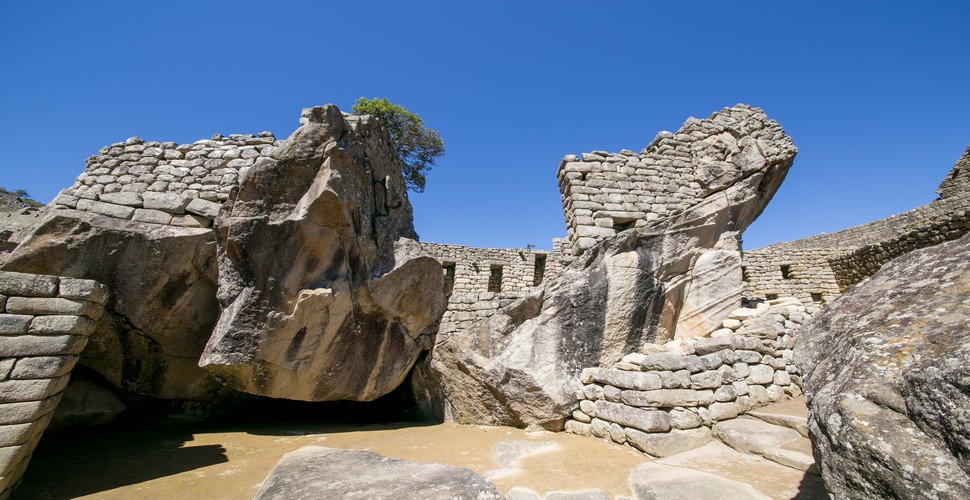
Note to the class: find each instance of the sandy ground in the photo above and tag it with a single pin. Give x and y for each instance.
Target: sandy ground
(229, 461)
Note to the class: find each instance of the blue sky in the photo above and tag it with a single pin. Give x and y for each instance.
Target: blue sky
(876, 95)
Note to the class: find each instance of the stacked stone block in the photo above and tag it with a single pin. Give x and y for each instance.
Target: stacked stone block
(606, 193)
(665, 399)
(44, 325)
(166, 183)
(803, 274)
(469, 299)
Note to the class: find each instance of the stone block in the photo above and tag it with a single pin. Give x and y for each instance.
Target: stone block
(588, 407)
(664, 361)
(781, 378)
(600, 428)
(705, 346)
(760, 374)
(674, 380)
(108, 209)
(668, 443)
(580, 428)
(41, 345)
(14, 434)
(152, 216)
(593, 391)
(684, 419)
(724, 411)
(204, 208)
(611, 393)
(27, 285)
(76, 325)
(166, 202)
(725, 393)
(12, 391)
(27, 411)
(581, 417)
(191, 220)
(706, 380)
(81, 289)
(644, 420)
(14, 324)
(623, 379)
(661, 398)
(44, 305)
(711, 361)
(121, 198)
(43, 367)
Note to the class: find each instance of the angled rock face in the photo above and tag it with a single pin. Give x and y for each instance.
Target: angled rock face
(645, 285)
(319, 300)
(162, 303)
(887, 380)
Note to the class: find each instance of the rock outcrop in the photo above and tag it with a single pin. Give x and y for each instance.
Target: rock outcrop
(887, 380)
(645, 285)
(319, 300)
(316, 472)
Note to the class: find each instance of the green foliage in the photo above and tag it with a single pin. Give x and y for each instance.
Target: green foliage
(416, 145)
(18, 198)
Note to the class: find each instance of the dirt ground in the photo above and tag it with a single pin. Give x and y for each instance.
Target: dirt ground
(230, 460)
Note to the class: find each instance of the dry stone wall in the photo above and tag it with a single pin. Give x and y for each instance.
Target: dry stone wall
(666, 399)
(44, 325)
(166, 183)
(605, 193)
(479, 281)
(823, 266)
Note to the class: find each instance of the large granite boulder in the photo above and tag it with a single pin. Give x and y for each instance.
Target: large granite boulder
(677, 277)
(319, 298)
(162, 306)
(317, 472)
(886, 374)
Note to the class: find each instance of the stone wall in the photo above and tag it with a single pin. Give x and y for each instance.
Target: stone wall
(823, 266)
(44, 325)
(666, 399)
(166, 183)
(958, 180)
(606, 193)
(479, 281)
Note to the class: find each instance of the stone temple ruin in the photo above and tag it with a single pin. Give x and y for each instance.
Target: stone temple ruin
(195, 276)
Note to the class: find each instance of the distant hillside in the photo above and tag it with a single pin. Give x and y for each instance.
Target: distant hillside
(13, 201)
(19, 214)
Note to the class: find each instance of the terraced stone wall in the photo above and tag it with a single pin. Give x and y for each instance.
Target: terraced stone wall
(666, 399)
(44, 325)
(479, 281)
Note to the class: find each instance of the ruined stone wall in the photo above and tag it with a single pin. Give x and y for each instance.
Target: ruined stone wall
(472, 281)
(165, 183)
(841, 259)
(605, 193)
(803, 274)
(44, 325)
(665, 400)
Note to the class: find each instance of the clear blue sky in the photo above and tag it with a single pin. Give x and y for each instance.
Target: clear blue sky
(876, 95)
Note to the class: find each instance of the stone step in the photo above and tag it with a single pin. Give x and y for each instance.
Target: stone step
(792, 414)
(777, 443)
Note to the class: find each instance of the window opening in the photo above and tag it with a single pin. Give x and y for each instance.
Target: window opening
(771, 296)
(817, 298)
(786, 272)
(448, 270)
(540, 270)
(495, 279)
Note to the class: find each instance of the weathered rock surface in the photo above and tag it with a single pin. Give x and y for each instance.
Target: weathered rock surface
(162, 307)
(319, 300)
(521, 366)
(887, 380)
(316, 472)
(654, 481)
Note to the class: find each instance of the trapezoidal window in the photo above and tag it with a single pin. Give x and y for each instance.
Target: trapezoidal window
(495, 279)
(771, 296)
(448, 272)
(817, 298)
(620, 225)
(540, 270)
(786, 272)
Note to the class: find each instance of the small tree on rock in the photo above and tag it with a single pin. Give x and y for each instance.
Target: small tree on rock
(416, 145)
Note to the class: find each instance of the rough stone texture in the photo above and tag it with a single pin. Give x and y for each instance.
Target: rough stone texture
(163, 297)
(341, 310)
(886, 380)
(316, 472)
(519, 367)
(654, 481)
